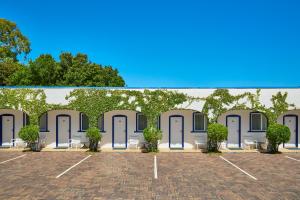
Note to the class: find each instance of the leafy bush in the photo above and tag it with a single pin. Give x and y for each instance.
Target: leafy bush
(94, 137)
(30, 134)
(152, 135)
(277, 134)
(216, 133)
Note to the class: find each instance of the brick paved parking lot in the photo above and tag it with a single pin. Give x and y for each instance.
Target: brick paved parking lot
(45, 175)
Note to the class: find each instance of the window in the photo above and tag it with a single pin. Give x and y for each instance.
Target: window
(25, 119)
(158, 122)
(141, 122)
(101, 123)
(44, 122)
(258, 122)
(84, 122)
(199, 122)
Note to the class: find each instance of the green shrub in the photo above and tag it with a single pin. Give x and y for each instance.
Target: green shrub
(216, 133)
(276, 135)
(152, 135)
(94, 137)
(30, 134)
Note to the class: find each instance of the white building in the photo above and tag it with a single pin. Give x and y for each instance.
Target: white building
(182, 127)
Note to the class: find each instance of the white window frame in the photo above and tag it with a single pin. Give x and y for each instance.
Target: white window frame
(261, 122)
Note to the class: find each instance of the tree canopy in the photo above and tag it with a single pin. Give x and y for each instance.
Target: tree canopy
(69, 70)
(12, 41)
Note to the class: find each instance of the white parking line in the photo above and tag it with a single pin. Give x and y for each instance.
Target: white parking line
(12, 159)
(238, 168)
(155, 167)
(73, 166)
(292, 158)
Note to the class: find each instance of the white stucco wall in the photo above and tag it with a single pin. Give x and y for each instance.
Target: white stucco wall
(245, 126)
(106, 141)
(18, 115)
(189, 136)
(291, 112)
(57, 96)
(50, 135)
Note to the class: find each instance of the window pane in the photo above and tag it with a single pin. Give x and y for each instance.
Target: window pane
(43, 122)
(199, 122)
(264, 122)
(84, 122)
(142, 122)
(26, 118)
(100, 123)
(27, 121)
(256, 122)
(158, 122)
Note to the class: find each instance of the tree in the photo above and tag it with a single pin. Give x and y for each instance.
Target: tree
(79, 71)
(7, 69)
(216, 133)
(69, 71)
(276, 135)
(30, 134)
(12, 42)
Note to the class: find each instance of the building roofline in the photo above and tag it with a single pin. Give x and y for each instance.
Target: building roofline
(73, 87)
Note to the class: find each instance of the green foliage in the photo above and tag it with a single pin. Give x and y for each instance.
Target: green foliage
(41, 71)
(152, 135)
(219, 102)
(279, 105)
(69, 71)
(276, 135)
(7, 69)
(216, 133)
(31, 101)
(12, 41)
(94, 137)
(95, 102)
(153, 103)
(29, 134)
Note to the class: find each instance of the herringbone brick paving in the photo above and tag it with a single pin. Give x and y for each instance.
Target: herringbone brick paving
(130, 176)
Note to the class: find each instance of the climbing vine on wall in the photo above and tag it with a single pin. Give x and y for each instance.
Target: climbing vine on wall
(31, 101)
(154, 102)
(95, 102)
(279, 105)
(221, 101)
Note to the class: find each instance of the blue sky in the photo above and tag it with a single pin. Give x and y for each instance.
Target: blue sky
(211, 43)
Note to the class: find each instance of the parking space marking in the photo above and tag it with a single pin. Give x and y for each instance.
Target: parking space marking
(12, 159)
(292, 158)
(238, 168)
(155, 167)
(73, 166)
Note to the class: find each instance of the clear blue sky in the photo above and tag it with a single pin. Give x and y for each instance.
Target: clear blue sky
(171, 43)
